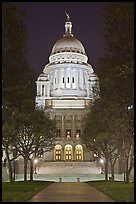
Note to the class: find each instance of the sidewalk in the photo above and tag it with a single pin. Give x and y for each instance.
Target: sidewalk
(70, 192)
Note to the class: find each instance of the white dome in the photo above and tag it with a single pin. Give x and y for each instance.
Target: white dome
(68, 43)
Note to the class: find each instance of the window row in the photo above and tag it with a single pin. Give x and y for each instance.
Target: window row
(67, 80)
(68, 153)
(68, 133)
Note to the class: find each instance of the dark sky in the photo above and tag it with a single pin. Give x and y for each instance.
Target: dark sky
(45, 25)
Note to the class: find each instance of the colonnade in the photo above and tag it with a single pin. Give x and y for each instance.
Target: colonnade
(70, 124)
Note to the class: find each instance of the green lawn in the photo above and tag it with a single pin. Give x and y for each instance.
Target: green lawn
(21, 191)
(118, 190)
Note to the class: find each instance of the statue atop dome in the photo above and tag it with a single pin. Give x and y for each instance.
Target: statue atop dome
(68, 16)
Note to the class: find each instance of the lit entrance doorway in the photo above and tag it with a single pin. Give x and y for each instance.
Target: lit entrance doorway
(68, 153)
(79, 152)
(57, 153)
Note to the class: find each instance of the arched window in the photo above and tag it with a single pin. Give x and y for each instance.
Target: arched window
(57, 152)
(68, 153)
(79, 152)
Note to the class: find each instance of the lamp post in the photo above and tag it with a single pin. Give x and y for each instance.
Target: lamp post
(14, 163)
(102, 165)
(35, 163)
(126, 154)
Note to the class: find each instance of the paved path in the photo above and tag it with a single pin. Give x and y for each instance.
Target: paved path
(70, 192)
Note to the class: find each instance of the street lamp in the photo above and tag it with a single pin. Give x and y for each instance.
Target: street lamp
(35, 162)
(101, 161)
(130, 107)
(130, 132)
(102, 165)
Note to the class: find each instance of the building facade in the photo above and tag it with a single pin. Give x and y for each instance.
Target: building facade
(66, 88)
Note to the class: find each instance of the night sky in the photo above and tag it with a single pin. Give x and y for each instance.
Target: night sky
(45, 25)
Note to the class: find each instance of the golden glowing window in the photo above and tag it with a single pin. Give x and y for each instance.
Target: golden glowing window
(68, 152)
(79, 152)
(58, 152)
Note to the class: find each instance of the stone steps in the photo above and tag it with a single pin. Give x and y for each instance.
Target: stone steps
(68, 168)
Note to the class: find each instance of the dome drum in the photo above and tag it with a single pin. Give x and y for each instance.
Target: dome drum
(68, 56)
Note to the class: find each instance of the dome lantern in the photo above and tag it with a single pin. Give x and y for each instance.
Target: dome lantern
(68, 26)
(68, 43)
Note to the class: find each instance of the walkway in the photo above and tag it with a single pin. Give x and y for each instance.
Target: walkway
(70, 192)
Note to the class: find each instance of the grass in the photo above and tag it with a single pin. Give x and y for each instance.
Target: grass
(118, 190)
(21, 191)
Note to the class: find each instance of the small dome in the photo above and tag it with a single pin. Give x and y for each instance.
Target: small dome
(68, 43)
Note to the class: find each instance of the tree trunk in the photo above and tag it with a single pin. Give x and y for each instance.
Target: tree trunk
(106, 168)
(25, 169)
(10, 167)
(31, 169)
(14, 170)
(112, 172)
(128, 168)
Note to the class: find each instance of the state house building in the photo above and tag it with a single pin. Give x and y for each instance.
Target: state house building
(66, 88)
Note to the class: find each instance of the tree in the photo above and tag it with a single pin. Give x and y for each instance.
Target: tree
(17, 77)
(119, 31)
(10, 124)
(18, 89)
(99, 135)
(116, 70)
(28, 136)
(35, 137)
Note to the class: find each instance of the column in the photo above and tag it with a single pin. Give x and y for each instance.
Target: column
(88, 91)
(41, 89)
(53, 80)
(75, 75)
(81, 79)
(38, 89)
(73, 126)
(48, 89)
(59, 79)
(63, 126)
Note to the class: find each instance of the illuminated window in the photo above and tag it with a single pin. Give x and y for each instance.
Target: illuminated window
(78, 133)
(68, 152)
(79, 152)
(58, 150)
(68, 134)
